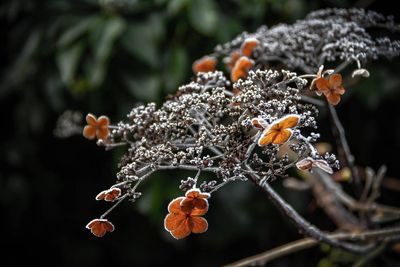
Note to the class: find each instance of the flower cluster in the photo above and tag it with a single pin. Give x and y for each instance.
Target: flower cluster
(200, 129)
(245, 126)
(323, 36)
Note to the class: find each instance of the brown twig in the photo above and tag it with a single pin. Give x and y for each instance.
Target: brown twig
(349, 201)
(335, 210)
(305, 243)
(370, 256)
(344, 149)
(303, 225)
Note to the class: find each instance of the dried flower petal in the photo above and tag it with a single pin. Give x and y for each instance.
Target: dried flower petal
(279, 131)
(241, 68)
(99, 227)
(185, 219)
(248, 46)
(204, 64)
(96, 127)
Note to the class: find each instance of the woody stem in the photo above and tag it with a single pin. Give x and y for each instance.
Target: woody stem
(114, 206)
(295, 246)
(339, 133)
(304, 226)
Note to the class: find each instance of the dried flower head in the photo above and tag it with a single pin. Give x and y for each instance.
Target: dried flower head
(332, 88)
(213, 124)
(181, 222)
(96, 127)
(99, 227)
(324, 36)
(308, 163)
(194, 198)
(109, 195)
(279, 131)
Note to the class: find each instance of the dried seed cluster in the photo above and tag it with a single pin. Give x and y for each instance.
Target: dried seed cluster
(258, 123)
(323, 36)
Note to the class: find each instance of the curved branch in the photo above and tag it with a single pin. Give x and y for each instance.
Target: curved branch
(305, 243)
(349, 201)
(344, 149)
(304, 226)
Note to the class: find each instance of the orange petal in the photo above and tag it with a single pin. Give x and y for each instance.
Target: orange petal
(204, 64)
(172, 221)
(99, 227)
(275, 126)
(187, 205)
(196, 193)
(244, 63)
(289, 121)
(335, 80)
(248, 46)
(241, 68)
(182, 231)
(237, 74)
(102, 133)
(98, 230)
(101, 195)
(200, 203)
(199, 212)
(109, 197)
(192, 193)
(115, 191)
(267, 137)
(333, 98)
(340, 90)
(92, 223)
(230, 62)
(108, 226)
(91, 119)
(198, 224)
(89, 132)
(282, 136)
(322, 84)
(103, 121)
(174, 206)
(112, 194)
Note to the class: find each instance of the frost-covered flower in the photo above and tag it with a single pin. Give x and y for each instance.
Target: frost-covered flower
(181, 222)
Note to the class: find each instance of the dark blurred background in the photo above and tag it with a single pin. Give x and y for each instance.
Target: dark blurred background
(105, 57)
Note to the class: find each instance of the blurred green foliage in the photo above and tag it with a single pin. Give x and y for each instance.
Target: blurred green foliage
(105, 56)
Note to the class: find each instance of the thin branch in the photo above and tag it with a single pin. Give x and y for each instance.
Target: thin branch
(305, 243)
(312, 100)
(251, 147)
(187, 167)
(370, 256)
(115, 205)
(342, 66)
(219, 186)
(303, 225)
(334, 209)
(341, 140)
(375, 190)
(350, 202)
(369, 177)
